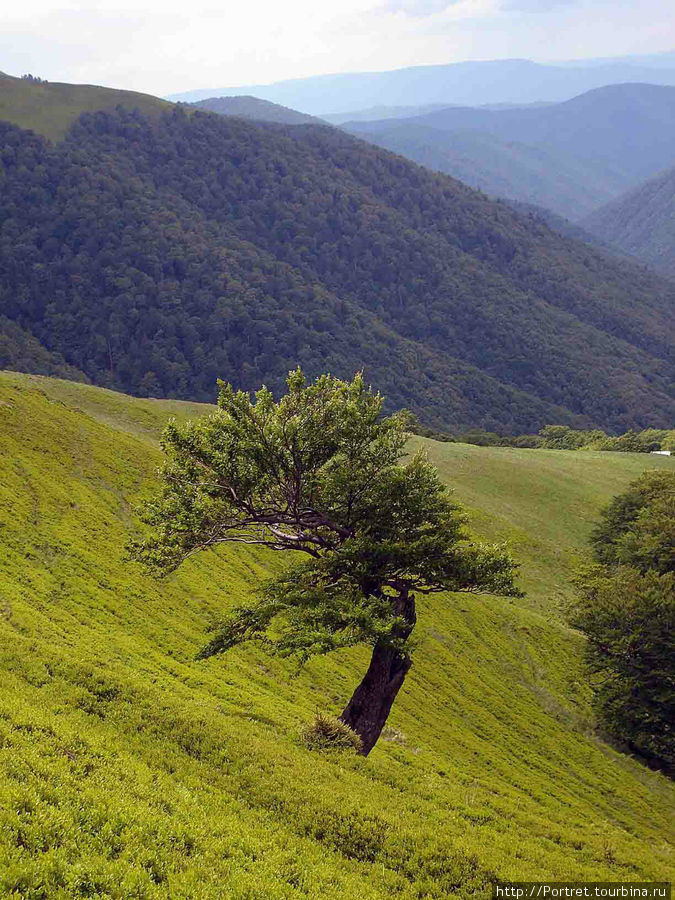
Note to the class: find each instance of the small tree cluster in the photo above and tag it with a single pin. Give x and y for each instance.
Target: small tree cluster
(626, 607)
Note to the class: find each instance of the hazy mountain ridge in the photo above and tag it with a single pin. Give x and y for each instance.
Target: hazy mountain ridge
(511, 169)
(571, 157)
(256, 109)
(642, 222)
(516, 81)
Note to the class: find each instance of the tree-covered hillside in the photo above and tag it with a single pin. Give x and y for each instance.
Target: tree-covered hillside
(156, 256)
(254, 108)
(642, 222)
(501, 167)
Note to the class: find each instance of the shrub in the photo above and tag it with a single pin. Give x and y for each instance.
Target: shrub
(330, 733)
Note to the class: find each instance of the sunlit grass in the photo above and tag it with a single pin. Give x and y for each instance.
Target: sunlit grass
(130, 770)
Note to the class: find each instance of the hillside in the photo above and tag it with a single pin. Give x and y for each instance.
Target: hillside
(256, 109)
(51, 108)
(642, 222)
(157, 256)
(21, 352)
(476, 83)
(129, 769)
(571, 156)
(528, 173)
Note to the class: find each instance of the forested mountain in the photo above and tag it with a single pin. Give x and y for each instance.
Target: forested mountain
(563, 226)
(514, 170)
(254, 108)
(571, 157)
(642, 222)
(156, 256)
(515, 81)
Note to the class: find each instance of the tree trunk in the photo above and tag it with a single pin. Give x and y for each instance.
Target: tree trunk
(368, 710)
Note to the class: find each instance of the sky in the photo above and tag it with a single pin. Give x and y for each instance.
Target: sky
(165, 46)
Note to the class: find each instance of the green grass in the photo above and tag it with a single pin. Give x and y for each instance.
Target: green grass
(51, 108)
(131, 771)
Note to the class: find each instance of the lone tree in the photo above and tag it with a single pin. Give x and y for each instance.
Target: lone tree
(626, 607)
(318, 473)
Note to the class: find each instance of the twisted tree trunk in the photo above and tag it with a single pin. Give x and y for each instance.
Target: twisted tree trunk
(368, 710)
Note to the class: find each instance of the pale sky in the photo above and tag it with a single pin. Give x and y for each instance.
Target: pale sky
(165, 46)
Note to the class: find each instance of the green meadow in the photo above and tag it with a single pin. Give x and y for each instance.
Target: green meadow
(50, 108)
(129, 770)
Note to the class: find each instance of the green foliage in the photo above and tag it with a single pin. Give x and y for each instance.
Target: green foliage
(638, 527)
(316, 473)
(626, 607)
(129, 770)
(153, 270)
(330, 733)
(562, 437)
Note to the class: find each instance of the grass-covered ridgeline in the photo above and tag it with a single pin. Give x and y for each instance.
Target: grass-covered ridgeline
(50, 108)
(129, 770)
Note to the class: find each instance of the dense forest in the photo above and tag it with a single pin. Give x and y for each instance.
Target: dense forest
(155, 256)
(642, 222)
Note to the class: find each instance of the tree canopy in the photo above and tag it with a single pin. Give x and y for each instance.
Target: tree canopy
(626, 607)
(319, 473)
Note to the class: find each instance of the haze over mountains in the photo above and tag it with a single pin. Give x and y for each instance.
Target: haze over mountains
(570, 157)
(465, 83)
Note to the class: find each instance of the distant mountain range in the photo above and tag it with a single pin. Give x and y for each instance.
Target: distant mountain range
(642, 222)
(571, 157)
(466, 83)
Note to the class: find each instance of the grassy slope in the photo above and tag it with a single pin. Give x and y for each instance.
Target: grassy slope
(129, 770)
(51, 108)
